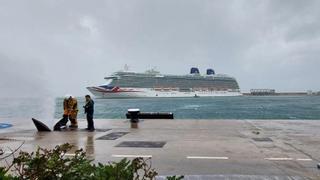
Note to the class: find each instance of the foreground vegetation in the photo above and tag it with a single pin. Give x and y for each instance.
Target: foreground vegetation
(46, 164)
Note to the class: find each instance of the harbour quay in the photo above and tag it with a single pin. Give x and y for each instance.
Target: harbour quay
(198, 149)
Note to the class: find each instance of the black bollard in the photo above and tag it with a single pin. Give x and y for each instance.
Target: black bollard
(134, 117)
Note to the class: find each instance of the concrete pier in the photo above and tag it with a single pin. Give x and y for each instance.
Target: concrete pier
(200, 149)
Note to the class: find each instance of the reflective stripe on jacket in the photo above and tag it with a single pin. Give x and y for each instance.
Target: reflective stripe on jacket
(70, 106)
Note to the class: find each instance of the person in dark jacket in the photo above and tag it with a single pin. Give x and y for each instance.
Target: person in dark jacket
(89, 109)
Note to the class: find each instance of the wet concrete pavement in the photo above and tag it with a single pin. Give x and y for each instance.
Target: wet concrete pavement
(214, 149)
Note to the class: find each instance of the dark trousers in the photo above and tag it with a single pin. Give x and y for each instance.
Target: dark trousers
(90, 121)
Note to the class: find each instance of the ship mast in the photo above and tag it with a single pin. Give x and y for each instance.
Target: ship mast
(126, 68)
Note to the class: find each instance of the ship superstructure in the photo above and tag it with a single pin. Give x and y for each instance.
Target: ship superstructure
(124, 84)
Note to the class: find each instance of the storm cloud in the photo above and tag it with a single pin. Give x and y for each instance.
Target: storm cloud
(57, 47)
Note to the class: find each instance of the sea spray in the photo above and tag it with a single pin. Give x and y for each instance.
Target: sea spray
(48, 109)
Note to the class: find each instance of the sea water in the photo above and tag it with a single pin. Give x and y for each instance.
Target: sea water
(243, 107)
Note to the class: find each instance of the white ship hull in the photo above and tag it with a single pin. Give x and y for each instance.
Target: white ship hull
(100, 92)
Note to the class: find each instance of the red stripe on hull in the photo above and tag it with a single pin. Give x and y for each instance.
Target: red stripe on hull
(110, 91)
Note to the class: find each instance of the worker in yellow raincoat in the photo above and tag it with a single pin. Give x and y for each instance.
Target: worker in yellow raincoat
(70, 110)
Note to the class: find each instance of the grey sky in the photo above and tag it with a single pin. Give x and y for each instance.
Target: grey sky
(54, 47)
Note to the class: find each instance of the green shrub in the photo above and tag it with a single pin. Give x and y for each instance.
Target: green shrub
(46, 164)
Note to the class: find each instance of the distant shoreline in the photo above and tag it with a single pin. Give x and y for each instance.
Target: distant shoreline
(282, 94)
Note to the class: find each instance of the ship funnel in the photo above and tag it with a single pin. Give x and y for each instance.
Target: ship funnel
(194, 70)
(210, 72)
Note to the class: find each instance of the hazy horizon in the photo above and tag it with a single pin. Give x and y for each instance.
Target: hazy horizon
(52, 48)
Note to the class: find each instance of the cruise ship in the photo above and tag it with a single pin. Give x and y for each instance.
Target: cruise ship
(125, 84)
